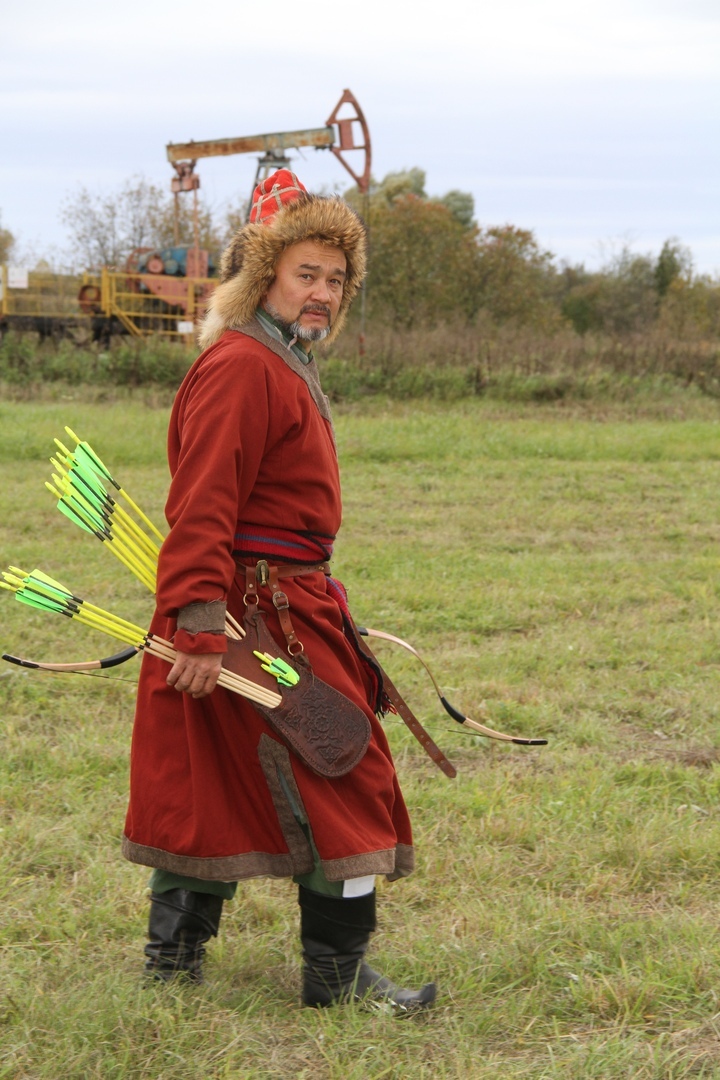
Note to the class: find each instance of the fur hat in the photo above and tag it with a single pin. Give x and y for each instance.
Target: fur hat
(283, 213)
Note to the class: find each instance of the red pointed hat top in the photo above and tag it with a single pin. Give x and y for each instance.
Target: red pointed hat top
(273, 193)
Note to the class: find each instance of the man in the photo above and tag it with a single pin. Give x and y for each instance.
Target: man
(216, 794)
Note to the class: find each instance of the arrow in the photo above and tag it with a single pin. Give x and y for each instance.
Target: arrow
(277, 667)
(85, 453)
(89, 487)
(84, 500)
(41, 591)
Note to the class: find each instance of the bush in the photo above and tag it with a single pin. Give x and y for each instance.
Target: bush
(24, 360)
(447, 362)
(513, 362)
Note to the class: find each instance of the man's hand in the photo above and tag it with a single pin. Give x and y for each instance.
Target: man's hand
(195, 675)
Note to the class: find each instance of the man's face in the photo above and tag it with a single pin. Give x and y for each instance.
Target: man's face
(308, 287)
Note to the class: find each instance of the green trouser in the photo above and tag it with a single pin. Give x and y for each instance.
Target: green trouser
(162, 880)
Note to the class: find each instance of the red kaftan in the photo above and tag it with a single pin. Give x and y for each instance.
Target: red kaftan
(209, 779)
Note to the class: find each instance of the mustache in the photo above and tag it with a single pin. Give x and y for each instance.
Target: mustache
(323, 309)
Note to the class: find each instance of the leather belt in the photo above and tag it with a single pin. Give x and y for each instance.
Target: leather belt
(264, 574)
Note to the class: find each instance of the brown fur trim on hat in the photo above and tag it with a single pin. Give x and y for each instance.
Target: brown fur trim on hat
(247, 268)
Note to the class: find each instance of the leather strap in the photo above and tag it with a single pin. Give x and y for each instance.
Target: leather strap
(282, 606)
(264, 574)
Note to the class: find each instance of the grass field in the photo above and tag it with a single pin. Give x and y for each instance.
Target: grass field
(558, 568)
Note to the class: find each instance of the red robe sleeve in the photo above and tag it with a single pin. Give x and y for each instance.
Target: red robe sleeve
(216, 441)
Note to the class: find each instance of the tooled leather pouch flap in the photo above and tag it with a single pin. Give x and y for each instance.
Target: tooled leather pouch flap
(326, 730)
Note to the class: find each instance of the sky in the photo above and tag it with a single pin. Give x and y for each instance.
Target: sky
(593, 124)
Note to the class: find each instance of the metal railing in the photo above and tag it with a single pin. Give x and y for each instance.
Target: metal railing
(142, 304)
(38, 293)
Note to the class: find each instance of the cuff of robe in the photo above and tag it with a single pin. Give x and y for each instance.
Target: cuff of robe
(199, 644)
(200, 617)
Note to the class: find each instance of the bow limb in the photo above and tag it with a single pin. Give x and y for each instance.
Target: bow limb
(487, 731)
(465, 721)
(84, 665)
(367, 631)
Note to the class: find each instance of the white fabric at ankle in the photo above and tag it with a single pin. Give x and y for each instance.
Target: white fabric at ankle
(358, 886)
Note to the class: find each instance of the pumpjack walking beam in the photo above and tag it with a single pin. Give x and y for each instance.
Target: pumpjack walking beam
(338, 135)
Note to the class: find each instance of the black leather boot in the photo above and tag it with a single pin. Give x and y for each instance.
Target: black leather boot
(181, 922)
(335, 933)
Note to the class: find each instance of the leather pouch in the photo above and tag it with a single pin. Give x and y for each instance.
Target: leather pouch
(326, 730)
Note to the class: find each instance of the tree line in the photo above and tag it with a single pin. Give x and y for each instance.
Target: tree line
(430, 262)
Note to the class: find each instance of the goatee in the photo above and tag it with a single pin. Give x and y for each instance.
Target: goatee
(296, 330)
(309, 333)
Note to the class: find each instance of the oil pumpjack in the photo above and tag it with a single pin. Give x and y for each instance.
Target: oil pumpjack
(345, 133)
(166, 291)
(340, 135)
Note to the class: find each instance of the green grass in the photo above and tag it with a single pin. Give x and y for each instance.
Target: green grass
(558, 569)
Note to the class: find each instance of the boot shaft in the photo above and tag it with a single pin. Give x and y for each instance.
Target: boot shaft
(335, 933)
(180, 923)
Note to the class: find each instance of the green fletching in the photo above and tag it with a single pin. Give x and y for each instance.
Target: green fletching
(82, 482)
(84, 458)
(76, 482)
(42, 602)
(84, 508)
(49, 583)
(89, 478)
(75, 518)
(85, 455)
(38, 589)
(47, 580)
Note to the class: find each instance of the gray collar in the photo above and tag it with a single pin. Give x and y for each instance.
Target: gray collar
(269, 324)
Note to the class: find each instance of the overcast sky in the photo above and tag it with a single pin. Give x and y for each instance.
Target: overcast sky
(593, 124)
